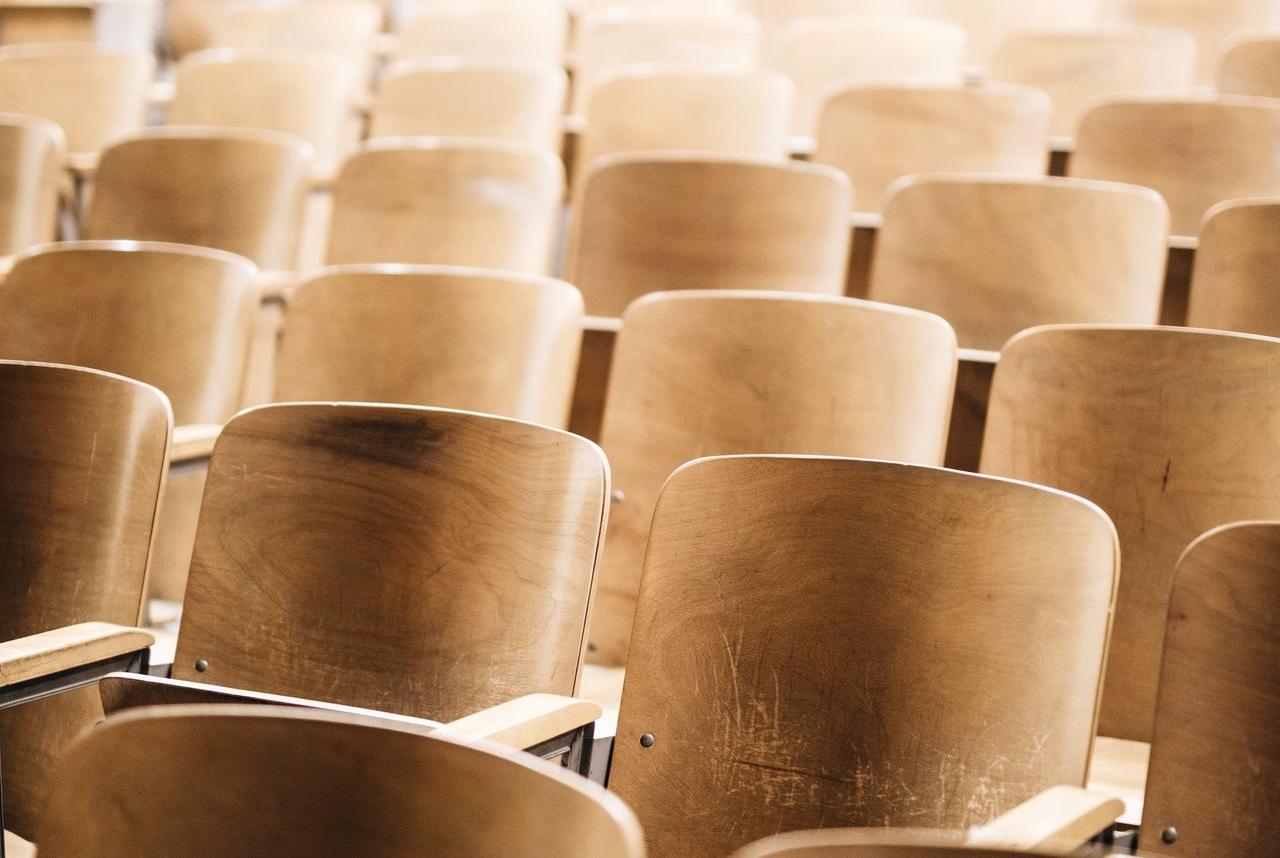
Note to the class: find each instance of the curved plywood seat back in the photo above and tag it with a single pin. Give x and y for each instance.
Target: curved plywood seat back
(523, 32)
(1212, 24)
(1234, 286)
(1251, 66)
(31, 154)
(345, 27)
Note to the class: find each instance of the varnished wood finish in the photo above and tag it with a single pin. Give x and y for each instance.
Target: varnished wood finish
(1196, 153)
(522, 32)
(877, 134)
(1171, 431)
(440, 202)
(1251, 66)
(288, 783)
(698, 374)
(836, 642)
(1075, 66)
(1210, 23)
(235, 190)
(488, 100)
(1237, 269)
(412, 560)
(47, 653)
(994, 255)
(1215, 753)
(819, 54)
(31, 152)
(677, 221)
(344, 27)
(446, 337)
(93, 95)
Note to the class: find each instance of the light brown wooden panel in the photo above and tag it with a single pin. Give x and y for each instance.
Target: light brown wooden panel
(521, 32)
(1251, 66)
(1210, 23)
(1237, 269)
(31, 152)
(345, 27)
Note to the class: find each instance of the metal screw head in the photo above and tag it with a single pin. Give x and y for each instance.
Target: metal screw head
(647, 740)
(1169, 835)
(202, 666)
(617, 497)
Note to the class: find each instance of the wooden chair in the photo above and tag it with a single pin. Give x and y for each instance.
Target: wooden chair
(834, 642)
(996, 255)
(482, 204)
(1215, 757)
(1210, 23)
(92, 94)
(1076, 66)
(878, 134)
(287, 783)
(231, 189)
(454, 338)
(698, 373)
(1171, 431)
(344, 27)
(675, 221)
(988, 22)
(31, 153)
(304, 94)
(820, 54)
(525, 33)
(588, 7)
(485, 100)
(1251, 66)
(1195, 153)
(1234, 281)
(776, 15)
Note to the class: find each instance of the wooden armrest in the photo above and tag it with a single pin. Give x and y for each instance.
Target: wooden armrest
(161, 92)
(276, 285)
(866, 220)
(82, 165)
(604, 324)
(1184, 242)
(525, 721)
(802, 146)
(193, 441)
(16, 847)
(572, 123)
(1061, 818)
(978, 356)
(322, 177)
(36, 656)
(1062, 144)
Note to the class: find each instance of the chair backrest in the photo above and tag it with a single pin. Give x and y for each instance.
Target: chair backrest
(414, 560)
(664, 222)
(440, 202)
(1076, 66)
(303, 93)
(1195, 153)
(180, 318)
(454, 338)
(824, 54)
(31, 153)
(345, 27)
(260, 781)
(877, 134)
(844, 642)
(775, 15)
(987, 22)
(48, 23)
(485, 100)
(1214, 750)
(93, 95)
(1237, 269)
(1251, 66)
(1171, 431)
(486, 33)
(996, 255)
(1210, 23)
(698, 373)
(232, 189)
(726, 112)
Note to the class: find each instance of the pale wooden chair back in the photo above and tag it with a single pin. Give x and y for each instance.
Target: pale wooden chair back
(31, 154)
(419, 561)
(1235, 281)
(776, 15)
(1195, 153)
(1214, 751)
(994, 256)
(92, 94)
(878, 134)
(1171, 431)
(345, 27)
(587, 7)
(1251, 66)
(698, 373)
(648, 109)
(659, 222)
(441, 202)
(1076, 66)
(485, 32)
(1212, 24)
(479, 100)
(816, 638)
(988, 22)
(180, 318)
(821, 55)
(260, 781)
(454, 338)
(305, 94)
(232, 189)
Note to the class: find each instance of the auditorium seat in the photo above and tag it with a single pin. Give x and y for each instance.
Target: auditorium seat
(776, 15)
(709, 373)
(1212, 24)
(996, 255)
(345, 27)
(651, 223)
(524, 33)
(1234, 285)
(988, 22)
(1251, 66)
(31, 186)
(449, 337)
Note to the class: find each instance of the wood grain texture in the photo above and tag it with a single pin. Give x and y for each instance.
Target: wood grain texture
(236, 190)
(289, 783)
(1196, 153)
(665, 222)
(1215, 755)
(46, 653)
(412, 560)
(878, 134)
(440, 202)
(31, 152)
(1210, 23)
(1251, 66)
(843, 642)
(172, 316)
(446, 337)
(1237, 269)
(521, 32)
(996, 255)
(698, 374)
(1171, 431)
